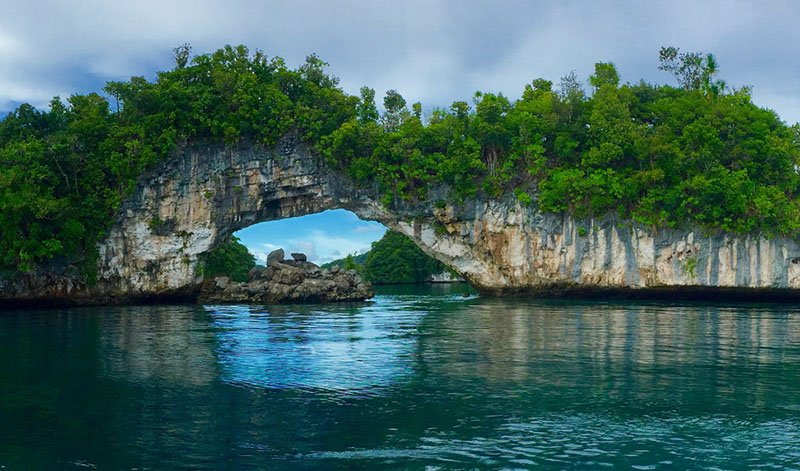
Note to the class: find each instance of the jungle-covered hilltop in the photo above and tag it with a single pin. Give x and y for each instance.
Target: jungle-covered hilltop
(696, 153)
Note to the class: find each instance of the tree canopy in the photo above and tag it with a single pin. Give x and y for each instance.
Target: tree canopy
(394, 259)
(230, 258)
(699, 154)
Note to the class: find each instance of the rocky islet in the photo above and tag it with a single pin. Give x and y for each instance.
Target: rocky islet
(287, 281)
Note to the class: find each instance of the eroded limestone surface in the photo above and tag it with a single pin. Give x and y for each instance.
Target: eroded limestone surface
(502, 246)
(202, 194)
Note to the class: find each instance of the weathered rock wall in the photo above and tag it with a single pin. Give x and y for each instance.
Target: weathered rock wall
(500, 246)
(202, 194)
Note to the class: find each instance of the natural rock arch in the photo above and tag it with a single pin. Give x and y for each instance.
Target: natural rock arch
(204, 193)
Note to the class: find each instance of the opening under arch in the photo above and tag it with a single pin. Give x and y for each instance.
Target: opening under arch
(322, 237)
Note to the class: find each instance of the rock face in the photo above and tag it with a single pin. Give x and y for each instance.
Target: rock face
(445, 277)
(502, 247)
(288, 281)
(203, 194)
(275, 256)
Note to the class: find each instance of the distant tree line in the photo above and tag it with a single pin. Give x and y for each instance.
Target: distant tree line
(699, 153)
(349, 262)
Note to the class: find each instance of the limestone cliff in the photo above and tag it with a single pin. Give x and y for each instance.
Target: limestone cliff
(500, 246)
(202, 194)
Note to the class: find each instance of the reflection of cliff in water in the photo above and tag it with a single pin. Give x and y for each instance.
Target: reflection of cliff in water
(158, 343)
(646, 354)
(429, 380)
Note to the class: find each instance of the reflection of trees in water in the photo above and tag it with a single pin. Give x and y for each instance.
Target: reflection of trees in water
(169, 344)
(160, 387)
(643, 353)
(118, 387)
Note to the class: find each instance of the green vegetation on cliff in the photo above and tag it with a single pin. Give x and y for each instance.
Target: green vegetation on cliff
(696, 154)
(63, 173)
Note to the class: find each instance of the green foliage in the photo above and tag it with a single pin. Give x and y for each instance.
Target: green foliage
(155, 223)
(63, 173)
(396, 112)
(182, 55)
(605, 74)
(523, 197)
(396, 259)
(691, 69)
(367, 111)
(689, 265)
(54, 182)
(700, 154)
(350, 262)
(230, 258)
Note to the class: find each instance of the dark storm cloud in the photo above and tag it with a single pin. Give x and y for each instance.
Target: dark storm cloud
(432, 51)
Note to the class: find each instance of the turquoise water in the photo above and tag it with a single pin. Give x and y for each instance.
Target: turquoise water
(420, 379)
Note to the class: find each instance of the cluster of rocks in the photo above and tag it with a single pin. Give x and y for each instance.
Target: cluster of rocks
(288, 281)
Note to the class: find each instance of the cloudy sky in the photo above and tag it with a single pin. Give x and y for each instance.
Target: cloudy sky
(433, 51)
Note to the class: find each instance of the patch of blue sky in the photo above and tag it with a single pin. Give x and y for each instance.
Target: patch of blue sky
(322, 237)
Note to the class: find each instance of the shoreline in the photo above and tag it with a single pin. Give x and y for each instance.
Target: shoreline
(726, 295)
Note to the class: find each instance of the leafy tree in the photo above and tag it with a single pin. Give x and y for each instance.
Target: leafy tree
(357, 262)
(349, 263)
(417, 110)
(605, 74)
(367, 112)
(64, 172)
(692, 69)
(490, 113)
(182, 55)
(395, 106)
(396, 259)
(230, 258)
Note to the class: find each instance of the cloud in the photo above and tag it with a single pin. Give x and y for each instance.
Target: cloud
(260, 255)
(319, 244)
(368, 228)
(307, 248)
(434, 51)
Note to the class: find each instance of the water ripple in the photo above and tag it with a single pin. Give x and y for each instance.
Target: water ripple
(432, 381)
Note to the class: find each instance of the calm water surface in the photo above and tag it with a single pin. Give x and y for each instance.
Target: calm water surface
(419, 380)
